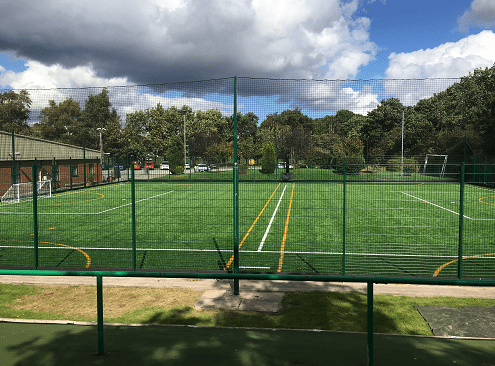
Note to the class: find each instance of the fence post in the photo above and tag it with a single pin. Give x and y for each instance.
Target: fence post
(369, 332)
(35, 213)
(133, 200)
(461, 222)
(343, 220)
(84, 160)
(99, 307)
(236, 195)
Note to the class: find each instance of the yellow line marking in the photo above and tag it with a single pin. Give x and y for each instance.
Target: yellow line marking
(486, 203)
(437, 272)
(252, 226)
(88, 259)
(282, 248)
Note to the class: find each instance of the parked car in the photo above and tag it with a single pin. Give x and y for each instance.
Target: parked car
(136, 165)
(213, 166)
(164, 165)
(149, 165)
(282, 166)
(201, 168)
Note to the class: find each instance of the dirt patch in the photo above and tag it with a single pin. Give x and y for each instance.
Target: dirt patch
(80, 301)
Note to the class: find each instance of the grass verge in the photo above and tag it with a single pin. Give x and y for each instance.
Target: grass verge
(305, 310)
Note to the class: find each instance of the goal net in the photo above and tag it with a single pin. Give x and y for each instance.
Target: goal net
(435, 165)
(20, 191)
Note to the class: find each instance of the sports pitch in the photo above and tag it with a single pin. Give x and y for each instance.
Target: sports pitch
(357, 228)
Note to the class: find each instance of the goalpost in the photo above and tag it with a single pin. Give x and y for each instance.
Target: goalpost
(21, 191)
(435, 165)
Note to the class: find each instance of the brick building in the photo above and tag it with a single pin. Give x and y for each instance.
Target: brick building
(66, 166)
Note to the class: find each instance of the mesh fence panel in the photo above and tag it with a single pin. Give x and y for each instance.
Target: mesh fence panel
(302, 213)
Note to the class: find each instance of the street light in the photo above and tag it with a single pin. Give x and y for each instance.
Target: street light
(101, 129)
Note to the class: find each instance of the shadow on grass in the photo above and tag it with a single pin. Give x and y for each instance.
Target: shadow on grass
(61, 345)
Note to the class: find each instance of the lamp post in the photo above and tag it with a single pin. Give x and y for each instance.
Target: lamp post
(101, 129)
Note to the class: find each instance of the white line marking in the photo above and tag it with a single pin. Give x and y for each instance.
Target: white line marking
(271, 220)
(253, 267)
(30, 247)
(83, 213)
(144, 199)
(443, 208)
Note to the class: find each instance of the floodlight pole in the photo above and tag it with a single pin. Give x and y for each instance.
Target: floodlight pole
(101, 129)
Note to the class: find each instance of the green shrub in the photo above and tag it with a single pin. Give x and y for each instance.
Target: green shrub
(409, 165)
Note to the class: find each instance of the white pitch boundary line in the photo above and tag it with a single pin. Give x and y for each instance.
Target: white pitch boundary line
(241, 251)
(127, 204)
(271, 220)
(443, 208)
(84, 213)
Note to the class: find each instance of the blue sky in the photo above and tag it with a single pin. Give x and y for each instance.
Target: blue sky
(58, 44)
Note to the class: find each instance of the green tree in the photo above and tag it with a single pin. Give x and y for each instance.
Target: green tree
(268, 159)
(58, 122)
(175, 154)
(14, 111)
(98, 113)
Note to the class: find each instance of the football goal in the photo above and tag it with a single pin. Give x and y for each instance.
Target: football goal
(20, 191)
(435, 165)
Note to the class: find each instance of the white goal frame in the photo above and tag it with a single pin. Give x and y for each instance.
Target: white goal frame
(444, 164)
(20, 191)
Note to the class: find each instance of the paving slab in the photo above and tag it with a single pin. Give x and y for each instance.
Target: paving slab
(249, 301)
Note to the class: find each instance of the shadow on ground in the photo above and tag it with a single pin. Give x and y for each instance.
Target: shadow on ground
(61, 345)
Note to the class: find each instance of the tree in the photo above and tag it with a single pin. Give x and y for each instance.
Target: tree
(58, 122)
(14, 111)
(268, 159)
(175, 154)
(97, 113)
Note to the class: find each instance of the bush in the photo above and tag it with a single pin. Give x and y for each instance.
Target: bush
(268, 161)
(243, 168)
(354, 164)
(409, 165)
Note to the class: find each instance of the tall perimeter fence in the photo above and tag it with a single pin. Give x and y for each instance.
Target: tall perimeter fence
(305, 215)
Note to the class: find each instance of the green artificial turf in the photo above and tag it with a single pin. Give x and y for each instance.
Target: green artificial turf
(363, 228)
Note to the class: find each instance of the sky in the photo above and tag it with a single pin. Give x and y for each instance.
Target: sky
(51, 44)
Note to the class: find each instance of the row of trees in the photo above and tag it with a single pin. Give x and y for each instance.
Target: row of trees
(466, 110)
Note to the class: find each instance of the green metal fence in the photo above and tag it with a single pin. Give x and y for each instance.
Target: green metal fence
(313, 210)
(377, 222)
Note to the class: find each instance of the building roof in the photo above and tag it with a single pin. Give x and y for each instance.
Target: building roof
(29, 148)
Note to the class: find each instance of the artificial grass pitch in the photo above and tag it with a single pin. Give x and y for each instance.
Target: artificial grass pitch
(361, 228)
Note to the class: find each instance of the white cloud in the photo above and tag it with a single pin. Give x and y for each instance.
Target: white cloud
(481, 14)
(39, 76)
(449, 60)
(156, 41)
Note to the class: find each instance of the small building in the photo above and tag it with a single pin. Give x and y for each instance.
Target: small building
(65, 166)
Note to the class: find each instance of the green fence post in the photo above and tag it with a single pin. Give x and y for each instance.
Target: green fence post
(369, 332)
(84, 160)
(343, 220)
(70, 172)
(461, 222)
(236, 195)
(13, 172)
(35, 214)
(99, 307)
(133, 200)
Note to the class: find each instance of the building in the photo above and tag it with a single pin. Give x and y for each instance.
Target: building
(65, 166)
